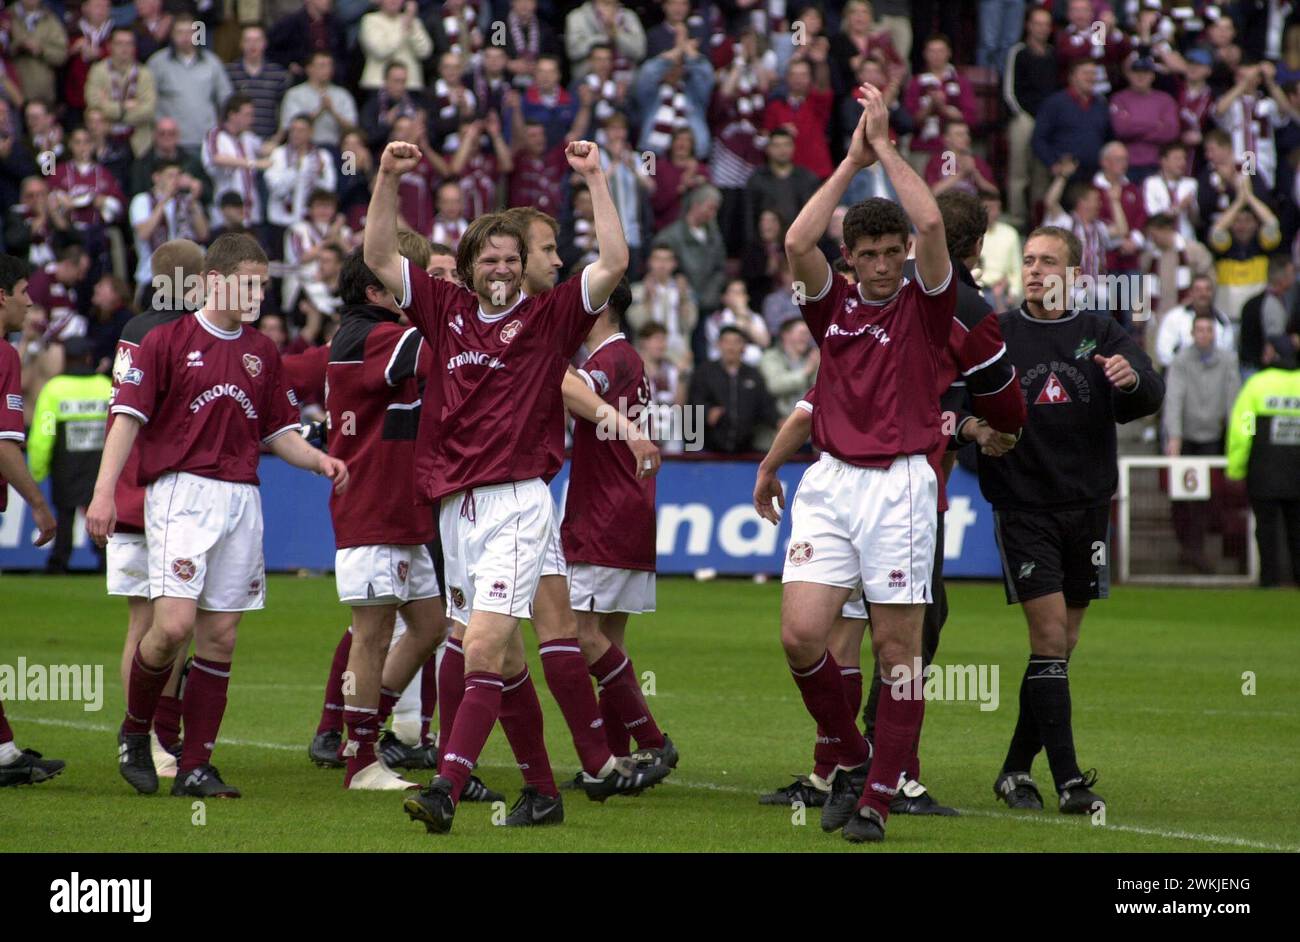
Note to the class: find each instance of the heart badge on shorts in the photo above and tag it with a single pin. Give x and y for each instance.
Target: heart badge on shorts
(800, 553)
(183, 569)
(402, 569)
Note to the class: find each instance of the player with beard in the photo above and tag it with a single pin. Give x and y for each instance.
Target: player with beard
(1080, 375)
(177, 290)
(499, 359)
(203, 395)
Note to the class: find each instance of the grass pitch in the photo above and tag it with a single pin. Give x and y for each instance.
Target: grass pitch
(1188, 761)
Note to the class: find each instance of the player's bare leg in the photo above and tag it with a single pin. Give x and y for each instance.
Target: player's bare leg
(372, 633)
(809, 612)
(1045, 710)
(565, 667)
(487, 638)
(451, 689)
(425, 620)
(167, 718)
(623, 705)
(205, 701)
(328, 741)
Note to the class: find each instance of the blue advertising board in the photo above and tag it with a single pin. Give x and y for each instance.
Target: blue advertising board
(706, 520)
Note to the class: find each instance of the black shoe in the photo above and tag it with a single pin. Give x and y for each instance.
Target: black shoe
(30, 768)
(1018, 790)
(913, 798)
(1077, 796)
(664, 755)
(627, 778)
(432, 806)
(475, 790)
(801, 790)
(203, 782)
(846, 789)
(135, 762)
(533, 809)
(324, 749)
(865, 827)
(398, 755)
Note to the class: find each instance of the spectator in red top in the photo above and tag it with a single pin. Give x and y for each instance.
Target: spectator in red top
(956, 167)
(1144, 119)
(936, 96)
(805, 111)
(675, 177)
(859, 39)
(1123, 257)
(88, 45)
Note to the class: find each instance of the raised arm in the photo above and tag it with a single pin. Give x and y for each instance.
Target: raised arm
(933, 265)
(807, 263)
(611, 263)
(380, 246)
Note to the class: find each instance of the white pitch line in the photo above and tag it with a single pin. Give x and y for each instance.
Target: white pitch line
(714, 787)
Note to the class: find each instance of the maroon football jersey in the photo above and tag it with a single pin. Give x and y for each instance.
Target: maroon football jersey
(373, 399)
(128, 497)
(209, 399)
(305, 373)
(875, 357)
(609, 515)
(12, 427)
(494, 388)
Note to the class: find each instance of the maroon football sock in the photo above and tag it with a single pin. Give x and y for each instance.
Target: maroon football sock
(478, 712)
(331, 714)
(428, 696)
(823, 751)
(914, 764)
(822, 688)
(566, 675)
(167, 721)
(363, 731)
(451, 688)
(143, 693)
(898, 717)
(616, 682)
(387, 700)
(204, 706)
(521, 718)
(6, 733)
(617, 737)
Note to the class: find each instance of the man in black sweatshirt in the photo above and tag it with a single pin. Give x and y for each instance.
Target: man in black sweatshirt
(1080, 375)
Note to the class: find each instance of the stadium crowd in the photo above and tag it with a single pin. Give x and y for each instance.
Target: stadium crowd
(1164, 135)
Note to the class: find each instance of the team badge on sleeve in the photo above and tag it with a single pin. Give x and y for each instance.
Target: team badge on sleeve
(253, 365)
(601, 381)
(800, 553)
(14, 401)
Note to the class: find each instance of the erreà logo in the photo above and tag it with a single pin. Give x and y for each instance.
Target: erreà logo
(1052, 393)
(76, 895)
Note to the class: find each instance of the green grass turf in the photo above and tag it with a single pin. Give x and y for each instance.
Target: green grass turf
(1188, 763)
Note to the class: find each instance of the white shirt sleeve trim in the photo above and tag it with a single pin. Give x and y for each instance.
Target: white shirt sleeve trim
(274, 435)
(18, 437)
(388, 370)
(586, 378)
(405, 301)
(830, 280)
(939, 290)
(990, 361)
(127, 410)
(586, 294)
(805, 405)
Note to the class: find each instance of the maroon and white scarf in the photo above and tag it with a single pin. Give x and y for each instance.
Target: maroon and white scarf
(1182, 280)
(95, 36)
(525, 36)
(308, 168)
(669, 115)
(181, 226)
(1092, 236)
(120, 88)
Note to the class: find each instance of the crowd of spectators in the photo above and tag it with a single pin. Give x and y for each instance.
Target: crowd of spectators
(1166, 135)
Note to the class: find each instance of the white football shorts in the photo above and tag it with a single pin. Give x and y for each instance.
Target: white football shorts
(127, 562)
(494, 544)
(873, 527)
(384, 574)
(605, 589)
(205, 542)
